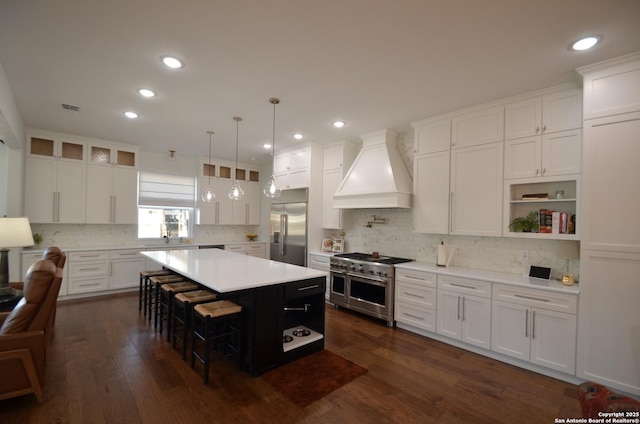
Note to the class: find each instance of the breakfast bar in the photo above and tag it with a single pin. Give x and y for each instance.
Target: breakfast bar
(277, 299)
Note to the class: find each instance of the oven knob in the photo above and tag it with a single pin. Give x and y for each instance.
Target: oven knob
(353, 267)
(371, 271)
(383, 274)
(360, 268)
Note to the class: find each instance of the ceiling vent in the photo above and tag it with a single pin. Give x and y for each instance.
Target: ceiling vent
(71, 108)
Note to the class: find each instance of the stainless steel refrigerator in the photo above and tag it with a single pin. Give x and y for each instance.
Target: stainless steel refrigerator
(289, 227)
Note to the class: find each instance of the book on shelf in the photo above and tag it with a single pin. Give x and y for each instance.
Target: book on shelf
(554, 222)
(535, 196)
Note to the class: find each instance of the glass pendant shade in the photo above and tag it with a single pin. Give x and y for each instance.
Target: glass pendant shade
(236, 192)
(208, 195)
(272, 189)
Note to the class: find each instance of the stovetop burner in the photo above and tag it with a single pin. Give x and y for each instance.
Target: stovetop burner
(368, 257)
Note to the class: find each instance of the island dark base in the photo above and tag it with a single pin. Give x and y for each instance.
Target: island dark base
(268, 311)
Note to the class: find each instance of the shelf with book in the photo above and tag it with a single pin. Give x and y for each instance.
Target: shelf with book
(560, 194)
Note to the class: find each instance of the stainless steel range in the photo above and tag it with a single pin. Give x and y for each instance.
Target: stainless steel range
(364, 282)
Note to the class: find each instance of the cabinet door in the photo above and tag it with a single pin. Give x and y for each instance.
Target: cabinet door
(432, 137)
(523, 118)
(333, 157)
(562, 111)
(125, 194)
(522, 157)
(40, 190)
(281, 163)
(71, 188)
(207, 210)
(449, 316)
(126, 272)
(224, 205)
(480, 127)
(252, 196)
(431, 193)
(553, 340)
(611, 198)
(562, 153)
(300, 159)
(99, 192)
(476, 321)
(239, 209)
(476, 190)
(331, 217)
(510, 329)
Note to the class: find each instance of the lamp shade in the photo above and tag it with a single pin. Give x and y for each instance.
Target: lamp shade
(568, 249)
(15, 232)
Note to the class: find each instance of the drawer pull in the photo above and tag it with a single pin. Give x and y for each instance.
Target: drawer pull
(530, 298)
(463, 286)
(89, 256)
(413, 316)
(89, 269)
(315, 286)
(414, 278)
(89, 284)
(413, 295)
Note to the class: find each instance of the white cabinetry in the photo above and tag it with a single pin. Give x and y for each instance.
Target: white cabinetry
(292, 168)
(88, 271)
(55, 179)
(112, 195)
(258, 249)
(321, 262)
(464, 310)
(535, 326)
(125, 268)
(545, 114)
(337, 161)
(548, 155)
(432, 136)
(415, 299)
(478, 127)
(476, 190)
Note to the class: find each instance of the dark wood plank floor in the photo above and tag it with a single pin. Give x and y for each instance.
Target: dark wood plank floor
(107, 365)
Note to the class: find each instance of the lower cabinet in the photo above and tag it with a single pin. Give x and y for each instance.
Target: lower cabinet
(529, 326)
(88, 271)
(464, 310)
(258, 250)
(321, 262)
(125, 268)
(415, 299)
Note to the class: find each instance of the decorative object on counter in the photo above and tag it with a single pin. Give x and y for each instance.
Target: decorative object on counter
(37, 238)
(252, 237)
(14, 232)
(527, 224)
(272, 189)
(539, 272)
(376, 220)
(337, 245)
(568, 249)
(445, 255)
(208, 195)
(327, 245)
(236, 192)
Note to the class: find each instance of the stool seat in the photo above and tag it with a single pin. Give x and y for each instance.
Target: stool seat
(144, 286)
(183, 304)
(217, 309)
(161, 279)
(182, 286)
(165, 305)
(154, 302)
(196, 296)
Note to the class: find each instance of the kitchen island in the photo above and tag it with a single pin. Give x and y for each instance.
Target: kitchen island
(276, 298)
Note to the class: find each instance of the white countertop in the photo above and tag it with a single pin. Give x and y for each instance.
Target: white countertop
(225, 271)
(492, 276)
(142, 246)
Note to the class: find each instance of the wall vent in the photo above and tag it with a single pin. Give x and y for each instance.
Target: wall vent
(71, 108)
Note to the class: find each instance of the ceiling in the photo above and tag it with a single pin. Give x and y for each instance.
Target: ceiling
(372, 63)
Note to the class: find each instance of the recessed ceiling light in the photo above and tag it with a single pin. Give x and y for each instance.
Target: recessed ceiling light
(146, 92)
(298, 136)
(266, 145)
(586, 42)
(172, 62)
(130, 115)
(338, 124)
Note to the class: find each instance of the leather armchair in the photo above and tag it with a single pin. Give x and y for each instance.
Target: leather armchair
(23, 337)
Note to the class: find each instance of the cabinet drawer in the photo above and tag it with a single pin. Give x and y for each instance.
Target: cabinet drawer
(88, 269)
(98, 255)
(422, 278)
(416, 316)
(86, 285)
(465, 286)
(416, 294)
(240, 248)
(124, 254)
(541, 299)
(319, 262)
(304, 288)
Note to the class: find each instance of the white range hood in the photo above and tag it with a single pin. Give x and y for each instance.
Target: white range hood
(378, 177)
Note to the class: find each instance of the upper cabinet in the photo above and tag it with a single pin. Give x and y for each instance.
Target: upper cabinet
(292, 168)
(432, 136)
(545, 114)
(337, 161)
(56, 149)
(481, 126)
(109, 154)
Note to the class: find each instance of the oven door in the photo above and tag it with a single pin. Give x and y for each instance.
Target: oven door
(372, 295)
(338, 288)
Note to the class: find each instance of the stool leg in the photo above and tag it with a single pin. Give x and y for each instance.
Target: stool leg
(185, 330)
(157, 306)
(207, 344)
(140, 294)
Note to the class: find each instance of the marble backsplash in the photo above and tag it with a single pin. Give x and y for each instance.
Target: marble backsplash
(396, 238)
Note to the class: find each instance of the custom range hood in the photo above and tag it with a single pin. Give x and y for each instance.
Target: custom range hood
(378, 177)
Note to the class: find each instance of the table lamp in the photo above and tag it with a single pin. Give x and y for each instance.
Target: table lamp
(568, 249)
(14, 232)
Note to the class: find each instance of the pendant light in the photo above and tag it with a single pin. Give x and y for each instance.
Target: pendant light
(208, 195)
(236, 192)
(272, 190)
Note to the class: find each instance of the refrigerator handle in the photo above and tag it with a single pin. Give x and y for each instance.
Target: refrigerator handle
(284, 229)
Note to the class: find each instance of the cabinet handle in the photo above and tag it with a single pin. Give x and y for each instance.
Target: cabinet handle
(458, 308)
(533, 325)
(537, 171)
(537, 129)
(89, 269)
(246, 211)
(544, 170)
(463, 286)
(413, 295)
(544, 128)
(526, 324)
(411, 277)
(413, 316)
(462, 308)
(521, 296)
(315, 286)
(451, 212)
(89, 284)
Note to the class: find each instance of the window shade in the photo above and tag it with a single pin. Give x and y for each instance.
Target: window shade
(163, 190)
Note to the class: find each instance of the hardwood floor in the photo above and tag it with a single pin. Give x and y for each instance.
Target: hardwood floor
(107, 365)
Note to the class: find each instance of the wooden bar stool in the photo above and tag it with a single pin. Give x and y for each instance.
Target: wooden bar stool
(144, 287)
(154, 292)
(165, 306)
(218, 325)
(183, 304)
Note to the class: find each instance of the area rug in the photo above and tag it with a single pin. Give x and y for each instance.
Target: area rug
(311, 378)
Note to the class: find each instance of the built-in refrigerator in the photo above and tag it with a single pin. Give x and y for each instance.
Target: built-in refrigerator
(288, 240)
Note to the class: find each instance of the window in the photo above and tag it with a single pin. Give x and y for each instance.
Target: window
(165, 205)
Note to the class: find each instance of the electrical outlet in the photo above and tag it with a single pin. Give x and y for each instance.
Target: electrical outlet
(525, 255)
